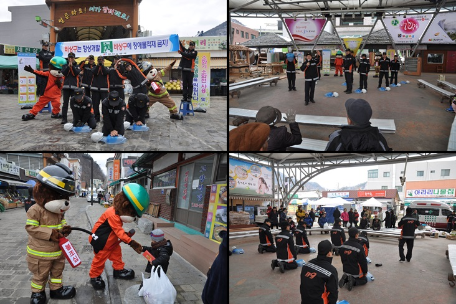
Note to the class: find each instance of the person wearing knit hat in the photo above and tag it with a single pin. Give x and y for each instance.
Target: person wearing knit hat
(354, 261)
(161, 249)
(279, 138)
(319, 278)
(358, 135)
(250, 137)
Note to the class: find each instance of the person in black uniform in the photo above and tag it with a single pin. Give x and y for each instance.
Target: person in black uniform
(337, 236)
(113, 109)
(81, 106)
(116, 78)
(319, 278)
(408, 224)
(137, 107)
(291, 61)
(363, 70)
(353, 260)
(387, 219)
(187, 65)
(349, 65)
(318, 60)
(266, 240)
(364, 222)
(384, 64)
(364, 241)
(99, 86)
(71, 72)
(44, 56)
(450, 220)
(137, 78)
(309, 67)
(86, 73)
(286, 254)
(395, 66)
(302, 243)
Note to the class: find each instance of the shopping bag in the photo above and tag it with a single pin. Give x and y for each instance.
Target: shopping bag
(158, 290)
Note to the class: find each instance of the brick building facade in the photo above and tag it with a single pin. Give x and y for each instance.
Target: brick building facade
(242, 33)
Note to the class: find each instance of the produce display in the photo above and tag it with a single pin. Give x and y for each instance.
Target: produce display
(174, 85)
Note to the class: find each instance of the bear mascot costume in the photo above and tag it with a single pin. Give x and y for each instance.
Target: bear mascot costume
(53, 90)
(128, 204)
(45, 225)
(377, 58)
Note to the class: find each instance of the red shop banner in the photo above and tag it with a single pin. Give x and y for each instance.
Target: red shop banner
(374, 193)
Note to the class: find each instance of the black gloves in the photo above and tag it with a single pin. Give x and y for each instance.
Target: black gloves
(28, 69)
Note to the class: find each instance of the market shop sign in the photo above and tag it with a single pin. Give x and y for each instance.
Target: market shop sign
(371, 193)
(31, 173)
(338, 194)
(12, 49)
(448, 192)
(8, 167)
(95, 15)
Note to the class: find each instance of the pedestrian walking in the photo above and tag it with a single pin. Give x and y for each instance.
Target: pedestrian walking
(408, 224)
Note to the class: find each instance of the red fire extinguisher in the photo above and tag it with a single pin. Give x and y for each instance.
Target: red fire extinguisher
(69, 251)
(155, 87)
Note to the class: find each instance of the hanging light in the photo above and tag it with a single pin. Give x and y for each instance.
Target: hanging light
(394, 15)
(294, 18)
(305, 17)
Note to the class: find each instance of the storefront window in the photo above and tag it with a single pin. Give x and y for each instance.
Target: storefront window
(165, 180)
(185, 186)
(435, 58)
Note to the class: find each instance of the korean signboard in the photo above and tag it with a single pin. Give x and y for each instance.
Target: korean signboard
(27, 80)
(374, 193)
(449, 192)
(8, 167)
(31, 173)
(338, 194)
(302, 30)
(116, 169)
(126, 163)
(124, 46)
(206, 42)
(202, 81)
(13, 49)
(165, 180)
(110, 173)
(407, 30)
(442, 29)
(249, 179)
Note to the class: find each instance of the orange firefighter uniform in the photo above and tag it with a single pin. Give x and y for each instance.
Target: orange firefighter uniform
(104, 239)
(44, 257)
(52, 93)
(339, 61)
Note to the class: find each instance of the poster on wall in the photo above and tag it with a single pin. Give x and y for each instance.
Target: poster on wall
(202, 81)
(27, 81)
(353, 44)
(442, 29)
(407, 30)
(201, 178)
(302, 30)
(326, 61)
(246, 178)
(217, 212)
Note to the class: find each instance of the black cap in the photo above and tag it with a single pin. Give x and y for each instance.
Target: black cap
(46, 43)
(71, 54)
(324, 247)
(100, 58)
(114, 98)
(347, 50)
(384, 53)
(308, 54)
(192, 43)
(78, 94)
(91, 57)
(352, 232)
(141, 100)
(358, 110)
(395, 55)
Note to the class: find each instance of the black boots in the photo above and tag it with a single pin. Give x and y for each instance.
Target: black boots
(58, 115)
(126, 274)
(64, 292)
(38, 298)
(177, 116)
(97, 283)
(28, 116)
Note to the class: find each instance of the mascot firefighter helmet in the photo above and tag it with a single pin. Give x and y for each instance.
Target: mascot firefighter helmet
(145, 66)
(138, 197)
(57, 62)
(59, 178)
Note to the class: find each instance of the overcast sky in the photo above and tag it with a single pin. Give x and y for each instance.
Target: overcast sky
(183, 17)
(100, 159)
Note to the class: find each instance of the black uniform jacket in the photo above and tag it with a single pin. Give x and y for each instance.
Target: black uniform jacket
(408, 225)
(113, 117)
(285, 247)
(265, 235)
(319, 282)
(301, 237)
(81, 111)
(71, 76)
(337, 235)
(353, 258)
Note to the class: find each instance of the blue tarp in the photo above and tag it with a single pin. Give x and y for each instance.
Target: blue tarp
(10, 62)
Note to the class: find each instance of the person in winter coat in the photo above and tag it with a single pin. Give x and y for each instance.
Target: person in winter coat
(279, 138)
(291, 62)
(312, 215)
(338, 62)
(187, 64)
(345, 217)
(99, 86)
(337, 236)
(353, 260)
(322, 221)
(302, 243)
(356, 218)
(266, 240)
(215, 290)
(349, 66)
(364, 222)
(384, 64)
(363, 70)
(269, 210)
(308, 221)
(274, 217)
(161, 250)
(393, 219)
(336, 213)
(364, 211)
(350, 217)
(71, 73)
(387, 219)
(395, 66)
(81, 106)
(322, 211)
(376, 223)
(286, 254)
(283, 215)
(319, 278)
(407, 224)
(300, 214)
(309, 67)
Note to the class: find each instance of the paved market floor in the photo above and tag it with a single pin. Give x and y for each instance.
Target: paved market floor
(422, 281)
(421, 120)
(204, 131)
(15, 277)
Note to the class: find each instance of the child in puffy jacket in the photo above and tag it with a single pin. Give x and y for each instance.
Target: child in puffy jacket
(161, 250)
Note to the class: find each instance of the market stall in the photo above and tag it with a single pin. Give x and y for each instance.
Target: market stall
(8, 74)
(239, 57)
(13, 193)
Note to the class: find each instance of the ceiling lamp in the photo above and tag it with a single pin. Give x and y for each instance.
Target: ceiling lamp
(394, 16)
(305, 17)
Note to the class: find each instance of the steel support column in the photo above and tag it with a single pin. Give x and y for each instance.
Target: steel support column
(365, 41)
(321, 32)
(389, 36)
(335, 29)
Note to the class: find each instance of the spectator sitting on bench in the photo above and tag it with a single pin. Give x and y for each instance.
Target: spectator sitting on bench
(250, 137)
(279, 138)
(358, 135)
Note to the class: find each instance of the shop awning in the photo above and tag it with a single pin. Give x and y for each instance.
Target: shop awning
(10, 62)
(161, 63)
(9, 182)
(143, 172)
(253, 198)
(114, 183)
(145, 160)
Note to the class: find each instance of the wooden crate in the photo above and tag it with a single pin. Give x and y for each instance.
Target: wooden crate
(154, 210)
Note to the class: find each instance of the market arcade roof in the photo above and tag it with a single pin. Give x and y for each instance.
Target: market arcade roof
(274, 40)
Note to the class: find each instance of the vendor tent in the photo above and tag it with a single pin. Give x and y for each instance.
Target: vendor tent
(331, 202)
(10, 62)
(372, 202)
